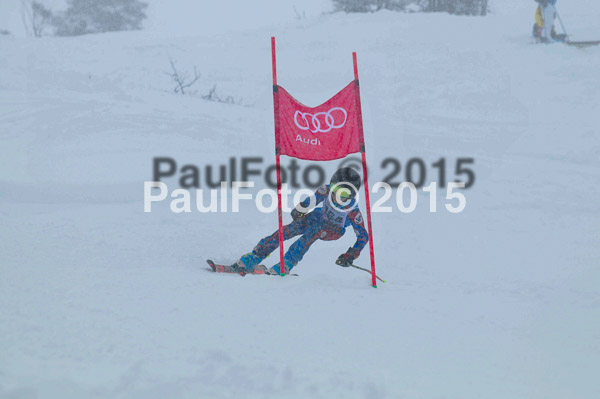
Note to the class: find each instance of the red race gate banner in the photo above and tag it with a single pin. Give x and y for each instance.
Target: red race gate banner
(329, 131)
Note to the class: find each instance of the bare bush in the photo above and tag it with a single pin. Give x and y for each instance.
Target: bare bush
(93, 16)
(36, 17)
(182, 80)
(213, 96)
(298, 15)
(460, 7)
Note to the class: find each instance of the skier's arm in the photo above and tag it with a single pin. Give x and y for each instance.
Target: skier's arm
(358, 224)
(304, 207)
(362, 237)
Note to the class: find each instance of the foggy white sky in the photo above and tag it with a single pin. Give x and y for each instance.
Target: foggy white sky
(190, 17)
(202, 17)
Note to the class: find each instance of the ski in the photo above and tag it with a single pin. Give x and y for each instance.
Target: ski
(583, 44)
(258, 269)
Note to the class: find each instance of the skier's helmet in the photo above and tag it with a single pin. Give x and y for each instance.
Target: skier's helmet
(345, 182)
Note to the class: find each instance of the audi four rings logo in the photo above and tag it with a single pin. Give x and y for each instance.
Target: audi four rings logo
(321, 121)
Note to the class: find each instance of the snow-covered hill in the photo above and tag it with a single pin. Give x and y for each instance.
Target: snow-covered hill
(99, 299)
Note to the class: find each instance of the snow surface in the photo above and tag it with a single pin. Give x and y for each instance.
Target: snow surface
(101, 300)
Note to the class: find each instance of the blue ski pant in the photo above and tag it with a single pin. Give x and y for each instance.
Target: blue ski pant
(311, 227)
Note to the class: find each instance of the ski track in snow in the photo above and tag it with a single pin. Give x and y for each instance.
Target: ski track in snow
(101, 300)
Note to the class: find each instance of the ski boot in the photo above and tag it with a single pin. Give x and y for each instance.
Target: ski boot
(247, 263)
(287, 267)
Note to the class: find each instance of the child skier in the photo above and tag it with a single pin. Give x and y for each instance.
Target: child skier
(543, 28)
(339, 210)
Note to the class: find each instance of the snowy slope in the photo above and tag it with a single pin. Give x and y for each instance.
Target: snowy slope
(99, 299)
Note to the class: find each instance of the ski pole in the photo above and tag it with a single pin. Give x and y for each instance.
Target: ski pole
(561, 24)
(368, 271)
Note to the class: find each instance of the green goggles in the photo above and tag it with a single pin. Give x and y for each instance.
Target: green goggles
(341, 192)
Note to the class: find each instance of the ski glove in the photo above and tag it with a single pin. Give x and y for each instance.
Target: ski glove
(296, 214)
(346, 259)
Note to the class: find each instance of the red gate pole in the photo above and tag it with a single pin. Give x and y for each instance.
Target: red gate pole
(364, 164)
(277, 161)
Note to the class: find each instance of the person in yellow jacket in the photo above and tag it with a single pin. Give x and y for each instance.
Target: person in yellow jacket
(543, 29)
